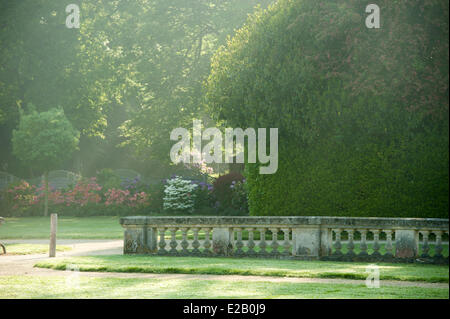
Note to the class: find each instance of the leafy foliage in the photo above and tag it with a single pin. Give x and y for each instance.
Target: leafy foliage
(108, 179)
(131, 73)
(222, 190)
(17, 198)
(44, 140)
(239, 200)
(362, 113)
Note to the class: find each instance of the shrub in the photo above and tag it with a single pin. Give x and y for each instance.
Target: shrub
(222, 190)
(108, 179)
(203, 195)
(156, 193)
(86, 198)
(179, 195)
(18, 198)
(85, 191)
(357, 179)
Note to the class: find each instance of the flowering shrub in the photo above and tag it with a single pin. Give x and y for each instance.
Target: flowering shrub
(18, 197)
(203, 192)
(87, 197)
(134, 185)
(84, 192)
(222, 188)
(179, 195)
(124, 197)
(201, 167)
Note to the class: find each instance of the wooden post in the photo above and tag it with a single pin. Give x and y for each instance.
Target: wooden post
(53, 224)
(46, 194)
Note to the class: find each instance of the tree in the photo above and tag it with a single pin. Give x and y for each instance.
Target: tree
(40, 62)
(134, 64)
(44, 141)
(362, 113)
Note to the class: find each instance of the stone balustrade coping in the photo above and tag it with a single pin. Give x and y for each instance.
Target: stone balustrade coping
(291, 221)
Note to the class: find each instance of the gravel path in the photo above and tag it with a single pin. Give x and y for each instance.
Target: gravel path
(11, 265)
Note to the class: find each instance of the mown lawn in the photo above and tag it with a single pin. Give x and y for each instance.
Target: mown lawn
(27, 249)
(61, 287)
(98, 227)
(249, 266)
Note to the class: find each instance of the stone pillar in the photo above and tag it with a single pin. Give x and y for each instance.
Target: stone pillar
(406, 243)
(221, 241)
(140, 240)
(326, 242)
(306, 242)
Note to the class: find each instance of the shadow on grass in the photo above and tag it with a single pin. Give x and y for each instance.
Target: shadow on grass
(248, 266)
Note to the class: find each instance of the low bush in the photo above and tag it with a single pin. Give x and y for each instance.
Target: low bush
(222, 190)
(85, 198)
(89, 197)
(180, 195)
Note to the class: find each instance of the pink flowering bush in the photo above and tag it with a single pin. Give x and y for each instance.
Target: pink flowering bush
(86, 197)
(18, 198)
(124, 197)
(84, 192)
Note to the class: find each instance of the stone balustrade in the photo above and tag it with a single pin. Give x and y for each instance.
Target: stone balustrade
(326, 238)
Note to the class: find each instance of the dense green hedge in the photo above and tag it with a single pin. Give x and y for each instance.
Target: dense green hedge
(362, 113)
(355, 179)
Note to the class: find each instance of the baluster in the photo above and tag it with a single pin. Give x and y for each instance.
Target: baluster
(195, 243)
(207, 242)
(350, 244)
(184, 242)
(363, 244)
(438, 246)
(239, 244)
(337, 242)
(233, 237)
(425, 246)
(286, 243)
(251, 242)
(274, 244)
(389, 249)
(262, 240)
(376, 242)
(173, 240)
(162, 240)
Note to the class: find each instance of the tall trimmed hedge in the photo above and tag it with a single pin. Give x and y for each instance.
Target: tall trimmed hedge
(362, 113)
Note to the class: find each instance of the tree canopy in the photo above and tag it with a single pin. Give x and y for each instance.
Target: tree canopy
(44, 140)
(132, 72)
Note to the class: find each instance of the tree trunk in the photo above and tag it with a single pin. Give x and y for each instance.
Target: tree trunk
(46, 194)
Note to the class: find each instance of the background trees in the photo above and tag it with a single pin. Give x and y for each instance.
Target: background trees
(362, 113)
(43, 141)
(131, 73)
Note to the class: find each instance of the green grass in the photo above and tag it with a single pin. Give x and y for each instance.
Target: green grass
(104, 227)
(27, 249)
(248, 266)
(59, 287)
